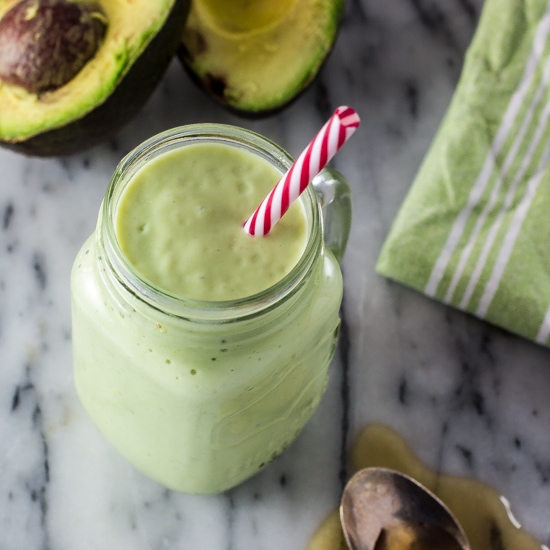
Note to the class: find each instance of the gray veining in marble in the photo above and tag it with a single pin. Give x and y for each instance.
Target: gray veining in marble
(470, 398)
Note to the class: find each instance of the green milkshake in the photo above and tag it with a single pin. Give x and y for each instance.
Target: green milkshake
(200, 352)
(179, 222)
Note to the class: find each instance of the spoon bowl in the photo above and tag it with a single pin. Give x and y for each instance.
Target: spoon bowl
(382, 509)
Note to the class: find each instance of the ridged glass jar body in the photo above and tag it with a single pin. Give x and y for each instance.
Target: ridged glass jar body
(201, 395)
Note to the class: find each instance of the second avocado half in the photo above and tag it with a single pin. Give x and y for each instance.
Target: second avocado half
(256, 56)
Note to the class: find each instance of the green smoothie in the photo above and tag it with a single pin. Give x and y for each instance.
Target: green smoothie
(200, 394)
(180, 220)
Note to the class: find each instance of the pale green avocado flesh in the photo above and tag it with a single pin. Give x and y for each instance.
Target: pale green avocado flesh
(256, 57)
(141, 39)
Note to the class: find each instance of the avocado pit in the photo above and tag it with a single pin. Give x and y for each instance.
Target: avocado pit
(45, 43)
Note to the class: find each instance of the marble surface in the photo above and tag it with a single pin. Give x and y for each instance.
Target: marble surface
(470, 398)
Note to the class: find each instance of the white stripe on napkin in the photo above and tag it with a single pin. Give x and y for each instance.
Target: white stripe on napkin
(516, 102)
(509, 200)
(510, 157)
(520, 214)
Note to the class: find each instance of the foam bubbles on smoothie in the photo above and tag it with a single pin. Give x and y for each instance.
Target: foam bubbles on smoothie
(180, 219)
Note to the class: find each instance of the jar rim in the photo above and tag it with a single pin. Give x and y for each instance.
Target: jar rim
(183, 307)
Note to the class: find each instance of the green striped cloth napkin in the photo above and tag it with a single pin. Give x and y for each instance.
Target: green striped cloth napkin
(474, 229)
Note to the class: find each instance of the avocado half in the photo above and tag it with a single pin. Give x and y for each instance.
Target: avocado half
(256, 56)
(44, 115)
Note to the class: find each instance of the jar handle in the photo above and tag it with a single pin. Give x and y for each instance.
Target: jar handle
(334, 194)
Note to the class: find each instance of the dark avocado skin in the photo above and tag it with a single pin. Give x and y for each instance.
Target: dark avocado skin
(125, 101)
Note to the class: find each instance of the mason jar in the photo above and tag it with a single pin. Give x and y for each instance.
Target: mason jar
(201, 395)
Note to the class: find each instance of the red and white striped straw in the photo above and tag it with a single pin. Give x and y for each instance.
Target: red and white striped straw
(330, 138)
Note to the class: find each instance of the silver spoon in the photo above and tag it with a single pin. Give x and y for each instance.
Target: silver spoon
(382, 509)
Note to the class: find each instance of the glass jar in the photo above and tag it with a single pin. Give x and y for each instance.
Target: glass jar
(201, 395)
